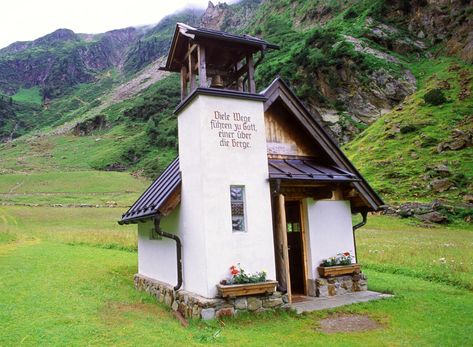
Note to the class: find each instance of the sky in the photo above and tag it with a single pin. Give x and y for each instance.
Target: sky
(25, 20)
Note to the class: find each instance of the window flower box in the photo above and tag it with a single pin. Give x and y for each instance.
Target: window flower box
(340, 270)
(234, 290)
(242, 283)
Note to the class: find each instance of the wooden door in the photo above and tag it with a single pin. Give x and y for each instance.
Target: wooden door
(295, 246)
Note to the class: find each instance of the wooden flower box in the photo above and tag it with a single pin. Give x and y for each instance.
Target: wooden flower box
(234, 290)
(332, 271)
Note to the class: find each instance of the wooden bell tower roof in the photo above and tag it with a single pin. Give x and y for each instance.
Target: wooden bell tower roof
(222, 47)
(209, 58)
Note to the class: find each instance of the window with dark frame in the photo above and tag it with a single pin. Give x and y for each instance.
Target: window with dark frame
(237, 201)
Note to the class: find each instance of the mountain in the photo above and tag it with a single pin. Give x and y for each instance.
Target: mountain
(390, 80)
(61, 60)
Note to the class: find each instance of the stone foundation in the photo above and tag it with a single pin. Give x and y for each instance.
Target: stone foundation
(192, 305)
(325, 287)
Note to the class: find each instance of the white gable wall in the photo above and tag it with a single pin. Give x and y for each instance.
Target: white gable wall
(208, 169)
(329, 231)
(157, 258)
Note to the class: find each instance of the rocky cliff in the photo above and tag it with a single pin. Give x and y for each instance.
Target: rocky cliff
(61, 60)
(351, 61)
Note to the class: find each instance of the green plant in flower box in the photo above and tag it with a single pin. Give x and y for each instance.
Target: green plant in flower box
(239, 276)
(337, 260)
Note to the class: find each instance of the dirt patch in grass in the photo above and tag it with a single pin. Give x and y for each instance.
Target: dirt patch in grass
(348, 323)
(122, 313)
(133, 307)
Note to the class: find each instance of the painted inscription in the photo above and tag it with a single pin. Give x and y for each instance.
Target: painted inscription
(233, 130)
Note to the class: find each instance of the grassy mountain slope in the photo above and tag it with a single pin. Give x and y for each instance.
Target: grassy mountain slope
(399, 153)
(140, 134)
(332, 56)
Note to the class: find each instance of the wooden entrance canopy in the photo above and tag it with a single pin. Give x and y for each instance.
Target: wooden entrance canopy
(219, 59)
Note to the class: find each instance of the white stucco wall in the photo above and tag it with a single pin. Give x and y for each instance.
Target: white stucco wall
(329, 231)
(157, 258)
(208, 169)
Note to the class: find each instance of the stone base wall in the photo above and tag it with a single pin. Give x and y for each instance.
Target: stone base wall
(192, 305)
(325, 287)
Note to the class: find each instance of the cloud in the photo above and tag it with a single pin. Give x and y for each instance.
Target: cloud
(24, 20)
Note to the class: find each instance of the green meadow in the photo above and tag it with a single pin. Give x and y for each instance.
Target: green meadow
(66, 278)
(71, 188)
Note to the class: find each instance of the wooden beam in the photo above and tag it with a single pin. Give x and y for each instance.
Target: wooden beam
(191, 72)
(239, 82)
(304, 247)
(337, 194)
(183, 82)
(189, 51)
(242, 69)
(251, 74)
(214, 71)
(282, 230)
(171, 202)
(202, 66)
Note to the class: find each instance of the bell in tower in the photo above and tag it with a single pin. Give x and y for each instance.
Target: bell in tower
(208, 58)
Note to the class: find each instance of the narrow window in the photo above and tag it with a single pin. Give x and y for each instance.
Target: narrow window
(237, 200)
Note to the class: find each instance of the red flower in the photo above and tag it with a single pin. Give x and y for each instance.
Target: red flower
(234, 270)
(346, 254)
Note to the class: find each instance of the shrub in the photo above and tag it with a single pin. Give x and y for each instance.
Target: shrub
(350, 14)
(408, 128)
(435, 97)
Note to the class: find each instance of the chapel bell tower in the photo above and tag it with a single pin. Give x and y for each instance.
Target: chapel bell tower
(213, 59)
(225, 194)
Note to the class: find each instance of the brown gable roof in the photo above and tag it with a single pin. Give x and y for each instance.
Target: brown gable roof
(279, 90)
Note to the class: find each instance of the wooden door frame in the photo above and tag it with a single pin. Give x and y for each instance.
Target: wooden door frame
(281, 229)
(303, 240)
(305, 244)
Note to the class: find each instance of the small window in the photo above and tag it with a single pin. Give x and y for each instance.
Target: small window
(293, 227)
(237, 200)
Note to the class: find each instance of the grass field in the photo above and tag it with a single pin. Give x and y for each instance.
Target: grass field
(30, 95)
(66, 278)
(74, 187)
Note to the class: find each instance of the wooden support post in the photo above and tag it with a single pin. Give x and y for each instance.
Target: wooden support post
(238, 81)
(202, 66)
(251, 74)
(282, 231)
(191, 72)
(337, 194)
(304, 247)
(183, 82)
